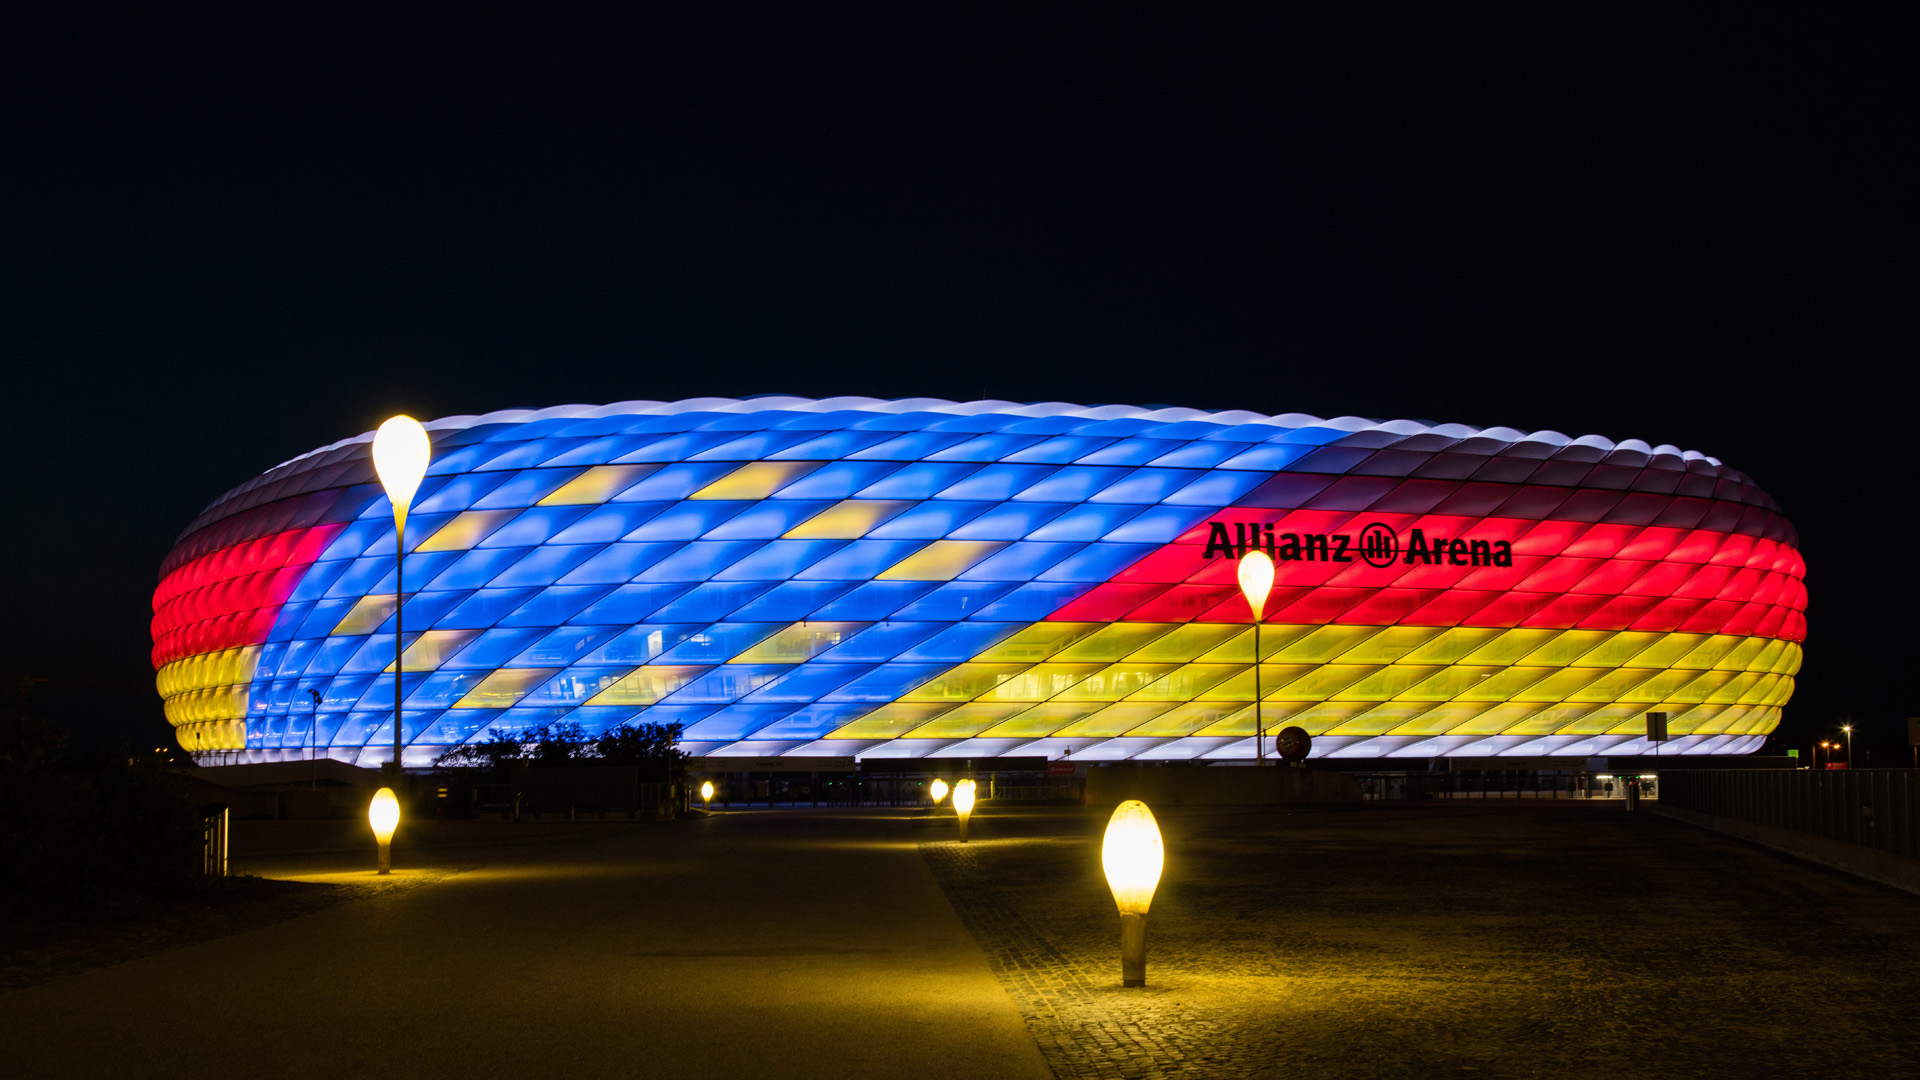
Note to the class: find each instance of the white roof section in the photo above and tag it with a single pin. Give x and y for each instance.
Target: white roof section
(1230, 417)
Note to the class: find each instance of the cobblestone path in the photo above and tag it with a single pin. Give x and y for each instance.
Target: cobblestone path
(1420, 941)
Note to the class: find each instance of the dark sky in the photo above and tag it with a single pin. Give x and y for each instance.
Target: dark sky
(235, 236)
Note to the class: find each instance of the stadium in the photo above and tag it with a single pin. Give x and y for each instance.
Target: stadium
(871, 579)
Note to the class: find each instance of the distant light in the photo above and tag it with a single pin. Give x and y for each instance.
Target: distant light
(706, 791)
(939, 790)
(400, 454)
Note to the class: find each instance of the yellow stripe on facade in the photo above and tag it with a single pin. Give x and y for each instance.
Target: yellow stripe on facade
(756, 481)
(466, 530)
(850, 519)
(799, 643)
(942, 560)
(504, 688)
(365, 616)
(597, 485)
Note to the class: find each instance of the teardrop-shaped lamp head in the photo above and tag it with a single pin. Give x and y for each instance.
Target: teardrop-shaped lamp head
(383, 814)
(1256, 581)
(400, 453)
(1132, 856)
(939, 790)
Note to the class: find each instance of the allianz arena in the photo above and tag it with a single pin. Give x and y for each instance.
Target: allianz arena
(926, 578)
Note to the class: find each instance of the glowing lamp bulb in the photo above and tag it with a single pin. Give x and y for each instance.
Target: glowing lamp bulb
(706, 791)
(1132, 856)
(383, 813)
(400, 453)
(963, 805)
(939, 790)
(1256, 581)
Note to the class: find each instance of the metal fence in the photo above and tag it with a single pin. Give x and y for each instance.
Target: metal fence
(1876, 808)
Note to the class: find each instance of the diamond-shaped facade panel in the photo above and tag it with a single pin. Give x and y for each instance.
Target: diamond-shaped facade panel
(928, 578)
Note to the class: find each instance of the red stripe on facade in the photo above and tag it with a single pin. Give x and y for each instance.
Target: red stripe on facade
(231, 597)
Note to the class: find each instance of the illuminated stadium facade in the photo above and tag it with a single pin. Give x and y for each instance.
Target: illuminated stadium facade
(924, 578)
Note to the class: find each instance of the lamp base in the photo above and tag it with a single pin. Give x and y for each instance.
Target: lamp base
(1133, 949)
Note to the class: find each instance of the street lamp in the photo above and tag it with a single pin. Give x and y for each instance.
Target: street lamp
(1848, 728)
(400, 452)
(383, 813)
(939, 790)
(963, 805)
(706, 795)
(1256, 581)
(1132, 856)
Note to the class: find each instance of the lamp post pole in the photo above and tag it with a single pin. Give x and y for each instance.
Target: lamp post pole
(1256, 581)
(1848, 728)
(400, 453)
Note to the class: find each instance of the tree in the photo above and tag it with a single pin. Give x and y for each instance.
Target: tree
(652, 748)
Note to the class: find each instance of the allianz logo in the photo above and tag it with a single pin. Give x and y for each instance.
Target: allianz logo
(1376, 545)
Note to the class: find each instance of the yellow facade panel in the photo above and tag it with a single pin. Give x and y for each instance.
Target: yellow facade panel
(1196, 641)
(365, 616)
(1115, 641)
(1042, 681)
(1379, 720)
(942, 560)
(1187, 719)
(964, 682)
(1189, 681)
(799, 642)
(1509, 647)
(1115, 720)
(1035, 643)
(433, 648)
(465, 530)
(597, 485)
(1387, 683)
(1323, 644)
(849, 519)
(1506, 683)
(647, 685)
(504, 688)
(1390, 645)
(1565, 648)
(756, 480)
(1666, 649)
(1116, 681)
(966, 721)
(888, 721)
(1453, 646)
(1041, 720)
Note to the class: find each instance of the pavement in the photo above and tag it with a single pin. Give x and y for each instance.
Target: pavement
(1450, 938)
(794, 944)
(1514, 938)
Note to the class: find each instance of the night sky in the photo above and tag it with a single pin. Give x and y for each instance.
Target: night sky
(232, 237)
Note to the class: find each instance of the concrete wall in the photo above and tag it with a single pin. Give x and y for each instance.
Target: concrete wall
(1108, 785)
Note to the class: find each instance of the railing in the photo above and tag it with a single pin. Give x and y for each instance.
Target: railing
(1876, 808)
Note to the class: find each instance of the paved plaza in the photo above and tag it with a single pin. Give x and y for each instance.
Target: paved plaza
(1521, 939)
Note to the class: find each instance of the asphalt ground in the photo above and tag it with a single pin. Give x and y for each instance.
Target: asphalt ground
(1496, 939)
(790, 944)
(1486, 939)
